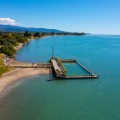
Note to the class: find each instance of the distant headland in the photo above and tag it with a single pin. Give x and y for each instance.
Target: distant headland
(11, 28)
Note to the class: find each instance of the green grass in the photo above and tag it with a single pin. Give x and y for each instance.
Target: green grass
(3, 67)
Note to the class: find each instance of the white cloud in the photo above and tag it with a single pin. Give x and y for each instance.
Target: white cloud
(8, 21)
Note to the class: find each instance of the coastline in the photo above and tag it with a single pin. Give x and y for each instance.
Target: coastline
(22, 44)
(19, 73)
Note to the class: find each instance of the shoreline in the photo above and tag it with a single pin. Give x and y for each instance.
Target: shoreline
(13, 60)
(19, 73)
(22, 44)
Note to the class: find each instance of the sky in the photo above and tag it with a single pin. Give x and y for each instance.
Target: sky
(90, 16)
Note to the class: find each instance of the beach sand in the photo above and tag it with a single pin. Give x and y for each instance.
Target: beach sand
(19, 73)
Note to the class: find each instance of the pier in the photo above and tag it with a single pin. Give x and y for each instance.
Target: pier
(61, 72)
(36, 65)
(68, 60)
(58, 68)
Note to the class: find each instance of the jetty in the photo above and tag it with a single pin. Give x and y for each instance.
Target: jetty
(31, 65)
(58, 68)
(60, 71)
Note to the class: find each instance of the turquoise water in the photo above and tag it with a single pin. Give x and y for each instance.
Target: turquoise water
(37, 99)
(75, 69)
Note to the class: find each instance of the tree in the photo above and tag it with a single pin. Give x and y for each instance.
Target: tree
(8, 50)
(37, 34)
(1, 33)
(21, 39)
(13, 42)
(4, 42)
(27, 34)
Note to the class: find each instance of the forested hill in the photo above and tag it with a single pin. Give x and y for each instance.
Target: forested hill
(9, 28)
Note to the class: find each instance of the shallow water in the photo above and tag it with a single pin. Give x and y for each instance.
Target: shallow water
(37, 99)
(75, 69)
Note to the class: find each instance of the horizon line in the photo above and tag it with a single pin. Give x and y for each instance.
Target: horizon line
(61, 30)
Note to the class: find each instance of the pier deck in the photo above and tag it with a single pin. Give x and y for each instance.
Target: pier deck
(81, 77)
(58, 67)
(36, 65)
(61, 72)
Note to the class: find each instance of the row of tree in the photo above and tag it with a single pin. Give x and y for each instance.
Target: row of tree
(10, 40)
(38, 34)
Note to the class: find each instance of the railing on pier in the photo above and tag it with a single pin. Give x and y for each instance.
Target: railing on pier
(81, 77)
(58, 67)
(38, 65)
(68, 60)
(63, 69)
(85, 68)
(61, 72)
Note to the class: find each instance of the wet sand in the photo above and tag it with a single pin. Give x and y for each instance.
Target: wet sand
(18, 73)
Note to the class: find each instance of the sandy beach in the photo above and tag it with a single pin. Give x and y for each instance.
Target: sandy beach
(18, 73)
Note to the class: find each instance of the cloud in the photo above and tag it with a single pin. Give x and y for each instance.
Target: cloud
(8, 21)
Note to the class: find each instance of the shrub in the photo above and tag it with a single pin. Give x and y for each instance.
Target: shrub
(8, 50)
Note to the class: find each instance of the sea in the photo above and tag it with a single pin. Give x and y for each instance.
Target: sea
(36, 98)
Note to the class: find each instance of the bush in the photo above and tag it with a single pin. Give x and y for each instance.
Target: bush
(21, 39)
(27, 34)
(8, 50)
(37, 34)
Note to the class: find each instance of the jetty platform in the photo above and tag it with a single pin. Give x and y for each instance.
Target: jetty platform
(61, 72)
(58, 67)
(30, 65)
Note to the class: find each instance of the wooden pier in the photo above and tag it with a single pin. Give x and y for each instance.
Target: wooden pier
(61, 72)
(36, 65)
(58, 68)
(81, 77)
(68, 60)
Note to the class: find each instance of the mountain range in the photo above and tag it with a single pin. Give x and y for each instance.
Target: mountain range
(9, 28)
